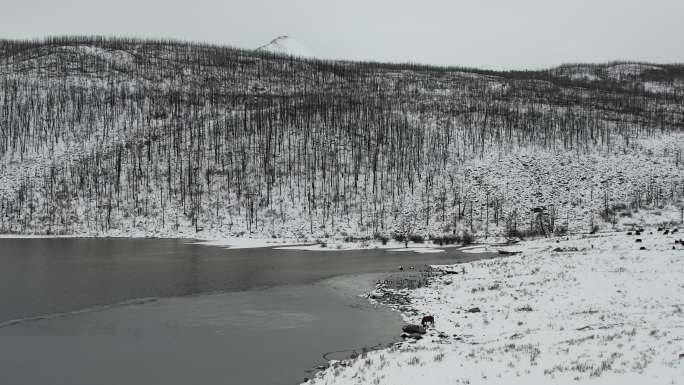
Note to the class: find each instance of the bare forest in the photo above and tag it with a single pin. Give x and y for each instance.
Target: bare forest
(106, 136)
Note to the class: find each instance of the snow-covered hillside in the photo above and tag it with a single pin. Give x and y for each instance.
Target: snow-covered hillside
(160, 138)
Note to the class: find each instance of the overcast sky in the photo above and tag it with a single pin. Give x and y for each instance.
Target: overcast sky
(485, 33)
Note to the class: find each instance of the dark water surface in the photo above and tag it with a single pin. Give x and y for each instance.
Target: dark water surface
(121, 311)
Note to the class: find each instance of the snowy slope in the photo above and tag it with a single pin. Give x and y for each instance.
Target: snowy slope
(286, 45)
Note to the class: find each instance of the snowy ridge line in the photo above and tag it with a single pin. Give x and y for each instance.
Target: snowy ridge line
(286, 45)
(87, 310)
(271, 42)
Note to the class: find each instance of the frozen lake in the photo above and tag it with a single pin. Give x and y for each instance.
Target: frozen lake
(120, 311)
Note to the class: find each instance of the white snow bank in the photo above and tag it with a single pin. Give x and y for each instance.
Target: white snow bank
(338, 245)
(243, 243)
(420, 250)
(478, 249)
(37, 236)
(227, 242)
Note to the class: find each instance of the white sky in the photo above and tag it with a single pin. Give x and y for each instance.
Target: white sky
(484, 33)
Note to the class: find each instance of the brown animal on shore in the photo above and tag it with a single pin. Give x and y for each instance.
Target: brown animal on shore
(428, 320)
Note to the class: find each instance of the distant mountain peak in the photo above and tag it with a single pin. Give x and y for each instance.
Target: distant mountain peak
(280, 39)
(288, 46)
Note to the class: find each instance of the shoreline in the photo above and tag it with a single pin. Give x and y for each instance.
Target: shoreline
(520, 306)
(235, 243)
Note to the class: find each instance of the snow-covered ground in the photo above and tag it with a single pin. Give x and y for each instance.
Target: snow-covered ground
(390, 245)
(593, 309)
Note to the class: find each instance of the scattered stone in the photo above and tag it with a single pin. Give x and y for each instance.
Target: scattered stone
(413, 329)
(642, 248)
(639, 240)
(565, 249)
(474, 310)
(390, 297)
